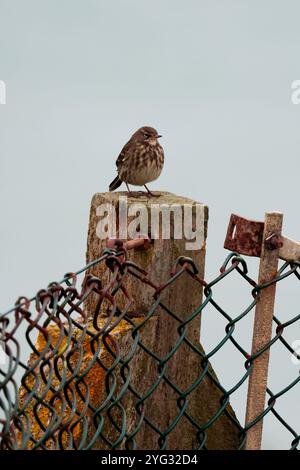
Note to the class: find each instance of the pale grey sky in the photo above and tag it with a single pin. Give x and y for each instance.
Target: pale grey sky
(214, 77)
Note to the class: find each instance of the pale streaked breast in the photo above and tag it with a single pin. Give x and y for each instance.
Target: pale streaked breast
(143, 165)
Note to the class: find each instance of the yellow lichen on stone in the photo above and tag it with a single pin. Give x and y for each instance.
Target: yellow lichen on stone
(68, 353)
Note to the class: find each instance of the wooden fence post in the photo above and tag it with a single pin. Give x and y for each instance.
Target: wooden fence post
(262, 331)
(160, 334)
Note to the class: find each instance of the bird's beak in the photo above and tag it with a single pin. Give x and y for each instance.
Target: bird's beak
(159, 136)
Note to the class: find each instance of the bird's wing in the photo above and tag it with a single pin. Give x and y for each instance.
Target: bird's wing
(124, 154)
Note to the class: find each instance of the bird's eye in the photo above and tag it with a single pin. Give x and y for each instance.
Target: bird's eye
(146, 135)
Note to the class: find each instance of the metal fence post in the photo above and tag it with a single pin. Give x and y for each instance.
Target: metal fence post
(262, 331)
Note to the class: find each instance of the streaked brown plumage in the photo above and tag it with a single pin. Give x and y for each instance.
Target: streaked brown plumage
(141, 160)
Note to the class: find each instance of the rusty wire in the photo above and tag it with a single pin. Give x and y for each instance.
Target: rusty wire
(47, 402)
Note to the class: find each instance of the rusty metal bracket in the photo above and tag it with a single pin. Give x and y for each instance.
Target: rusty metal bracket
(141, 242)
(245, 236)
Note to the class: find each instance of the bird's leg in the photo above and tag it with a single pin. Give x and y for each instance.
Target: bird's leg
(150, 193)
(130, 194)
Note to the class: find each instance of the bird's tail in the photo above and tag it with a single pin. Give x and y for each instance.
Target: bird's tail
(115, 183)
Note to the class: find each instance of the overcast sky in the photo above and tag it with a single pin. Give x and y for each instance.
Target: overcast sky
(214, 77)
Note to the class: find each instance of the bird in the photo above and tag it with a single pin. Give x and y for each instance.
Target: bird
(141, 160)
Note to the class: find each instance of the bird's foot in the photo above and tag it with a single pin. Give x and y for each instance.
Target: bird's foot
(133, 194)
(136, 194)
(150, 194)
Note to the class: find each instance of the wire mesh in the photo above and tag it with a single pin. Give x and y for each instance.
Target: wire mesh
(79, 389)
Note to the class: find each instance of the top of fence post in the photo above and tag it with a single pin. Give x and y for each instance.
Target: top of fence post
(170, 221)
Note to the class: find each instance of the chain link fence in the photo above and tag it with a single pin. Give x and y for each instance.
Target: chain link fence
(89, 377)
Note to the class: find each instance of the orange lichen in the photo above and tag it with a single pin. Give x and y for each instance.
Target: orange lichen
(51, 395)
